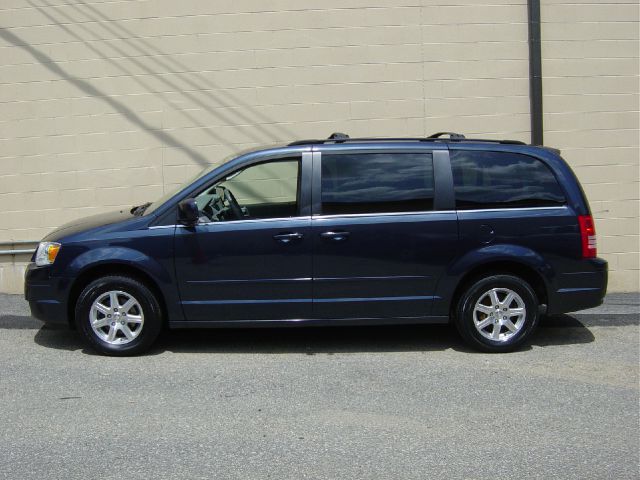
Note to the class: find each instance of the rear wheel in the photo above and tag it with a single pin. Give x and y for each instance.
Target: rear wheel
(118, 315)
(497, 313)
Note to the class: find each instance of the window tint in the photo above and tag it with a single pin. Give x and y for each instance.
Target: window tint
(376, 183)
(502, 180)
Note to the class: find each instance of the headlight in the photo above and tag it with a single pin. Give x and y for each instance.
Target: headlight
(47, 253)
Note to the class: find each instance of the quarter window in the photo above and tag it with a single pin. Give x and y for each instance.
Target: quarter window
(502, 180)
(376, 183)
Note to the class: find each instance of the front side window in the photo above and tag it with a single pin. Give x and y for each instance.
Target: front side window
(265, 190)
(502, 180)
(376, 183)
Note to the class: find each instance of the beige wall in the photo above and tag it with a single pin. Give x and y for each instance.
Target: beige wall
(591, 103)
(106, 103)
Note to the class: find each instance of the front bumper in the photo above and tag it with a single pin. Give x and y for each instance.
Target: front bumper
(580, 290)
(45, 296)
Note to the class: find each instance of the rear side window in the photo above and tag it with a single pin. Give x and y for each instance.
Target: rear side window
(376, 183)
(502, 180)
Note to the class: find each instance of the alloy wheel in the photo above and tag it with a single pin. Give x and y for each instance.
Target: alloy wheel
(116, 317)
(499, 314)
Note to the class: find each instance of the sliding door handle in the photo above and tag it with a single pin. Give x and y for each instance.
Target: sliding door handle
(335, 236)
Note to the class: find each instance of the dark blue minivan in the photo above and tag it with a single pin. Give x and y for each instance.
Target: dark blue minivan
(486, 234)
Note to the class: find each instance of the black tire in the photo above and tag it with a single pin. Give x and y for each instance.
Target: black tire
(466, 317)
(146, 310)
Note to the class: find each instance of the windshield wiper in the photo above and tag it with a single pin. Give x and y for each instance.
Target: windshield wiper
(139, 209)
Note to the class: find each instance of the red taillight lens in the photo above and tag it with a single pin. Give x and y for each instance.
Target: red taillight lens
(588, 236)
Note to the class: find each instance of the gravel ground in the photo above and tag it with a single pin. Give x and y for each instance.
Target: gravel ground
(379, 402)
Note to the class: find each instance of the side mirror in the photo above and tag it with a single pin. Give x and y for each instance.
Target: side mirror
(188, 213)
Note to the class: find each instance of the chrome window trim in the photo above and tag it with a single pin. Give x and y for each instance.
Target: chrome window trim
(427, 212)
(352, 215)
(235, 222)
(382, 214)
(515, 209)
(158, 227)
(255, 220)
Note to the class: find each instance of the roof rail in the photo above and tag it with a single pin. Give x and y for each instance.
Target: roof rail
(436, 137)
(337, 136)
(452, 136)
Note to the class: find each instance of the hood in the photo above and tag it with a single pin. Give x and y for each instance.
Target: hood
(88, 223)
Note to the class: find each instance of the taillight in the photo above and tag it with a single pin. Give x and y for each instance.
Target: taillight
(588, 236)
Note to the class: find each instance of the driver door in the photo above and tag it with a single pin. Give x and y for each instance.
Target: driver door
(252, 260)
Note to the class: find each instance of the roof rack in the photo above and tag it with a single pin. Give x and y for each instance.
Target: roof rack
(338, 137)
(452, 136)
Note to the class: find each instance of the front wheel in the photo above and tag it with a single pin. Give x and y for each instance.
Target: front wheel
(497, 313)
(118, 316)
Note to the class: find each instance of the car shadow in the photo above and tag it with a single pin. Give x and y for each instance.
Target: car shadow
(557, 330)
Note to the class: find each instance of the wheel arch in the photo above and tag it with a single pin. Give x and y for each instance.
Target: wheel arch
(509, 259)
(506, 267)
(94, 272)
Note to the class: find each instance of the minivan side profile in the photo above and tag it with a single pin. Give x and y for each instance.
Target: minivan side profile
(488, 235)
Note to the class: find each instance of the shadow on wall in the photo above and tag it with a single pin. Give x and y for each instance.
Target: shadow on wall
(92, 91)
(245, 115)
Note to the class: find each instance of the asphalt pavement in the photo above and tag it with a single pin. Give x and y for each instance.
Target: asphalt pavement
(334, 403)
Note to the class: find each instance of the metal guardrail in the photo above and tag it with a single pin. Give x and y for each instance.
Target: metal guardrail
(18, 251)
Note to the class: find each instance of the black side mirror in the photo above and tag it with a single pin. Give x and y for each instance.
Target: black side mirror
(188, 213)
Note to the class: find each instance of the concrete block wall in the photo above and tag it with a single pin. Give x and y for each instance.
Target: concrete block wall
(590, 53)
(106, 104)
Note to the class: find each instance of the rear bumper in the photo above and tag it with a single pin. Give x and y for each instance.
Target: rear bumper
(580, 290)
(46, 301)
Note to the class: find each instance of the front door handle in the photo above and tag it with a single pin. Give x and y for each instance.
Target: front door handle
(287, 237)
(335, 236)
